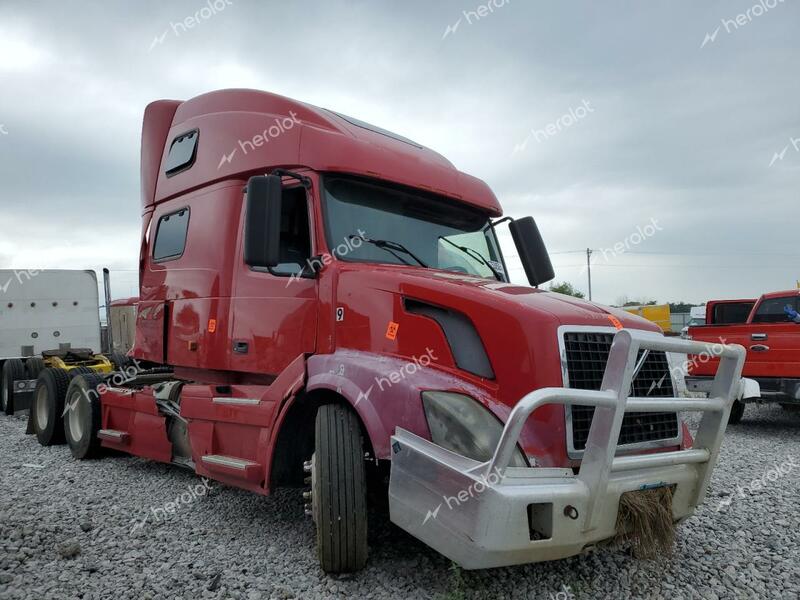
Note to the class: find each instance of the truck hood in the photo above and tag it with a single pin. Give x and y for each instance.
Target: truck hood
(525, 301)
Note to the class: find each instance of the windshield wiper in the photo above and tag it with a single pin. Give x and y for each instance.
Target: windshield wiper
(390, 247)
(474, 254)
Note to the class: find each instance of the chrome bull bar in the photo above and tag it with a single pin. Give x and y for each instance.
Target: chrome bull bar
(488, 525)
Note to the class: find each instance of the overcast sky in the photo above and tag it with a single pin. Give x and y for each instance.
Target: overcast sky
(595, 118)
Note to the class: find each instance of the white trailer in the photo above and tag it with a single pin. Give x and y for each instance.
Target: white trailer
(43, 311)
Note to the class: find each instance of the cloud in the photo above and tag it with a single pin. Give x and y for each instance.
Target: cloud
(679, 132)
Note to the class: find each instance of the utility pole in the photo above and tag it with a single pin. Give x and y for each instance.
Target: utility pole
(589, 269)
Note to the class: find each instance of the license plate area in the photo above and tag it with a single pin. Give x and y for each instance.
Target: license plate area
(645, 520)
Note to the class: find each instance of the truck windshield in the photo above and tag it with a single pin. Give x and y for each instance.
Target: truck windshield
(442, 234)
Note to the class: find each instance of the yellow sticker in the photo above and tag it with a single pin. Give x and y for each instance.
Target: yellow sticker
(212, 325)
(391, 331)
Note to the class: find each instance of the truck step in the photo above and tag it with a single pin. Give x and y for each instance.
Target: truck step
(112, 435)
(231, 465)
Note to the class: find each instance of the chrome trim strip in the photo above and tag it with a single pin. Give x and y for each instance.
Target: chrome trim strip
(228, 461)
(112, 433)
(240, 401)
(622, 448)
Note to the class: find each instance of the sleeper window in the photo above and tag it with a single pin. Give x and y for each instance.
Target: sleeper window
(171, 235)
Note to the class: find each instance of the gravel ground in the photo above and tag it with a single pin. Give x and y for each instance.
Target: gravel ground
(73, 529)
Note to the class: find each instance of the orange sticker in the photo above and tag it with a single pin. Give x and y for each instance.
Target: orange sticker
(212, 325)
(615, 321)
(391, 331)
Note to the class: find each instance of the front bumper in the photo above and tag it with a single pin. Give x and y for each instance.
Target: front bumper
(749, 390)
(483, 515)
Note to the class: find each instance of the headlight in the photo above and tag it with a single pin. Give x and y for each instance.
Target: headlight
(462, 425)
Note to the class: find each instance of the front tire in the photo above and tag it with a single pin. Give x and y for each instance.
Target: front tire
(48, 406)
(13, 370)
(339, 490)
(737, 412)
(83, 416)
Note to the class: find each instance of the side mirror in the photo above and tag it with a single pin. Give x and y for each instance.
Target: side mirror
(532, 251)
(262, 233)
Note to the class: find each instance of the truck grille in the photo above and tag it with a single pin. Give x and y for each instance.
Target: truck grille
(587, 354)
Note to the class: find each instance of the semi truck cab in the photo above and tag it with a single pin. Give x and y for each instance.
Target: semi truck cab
(332, 303)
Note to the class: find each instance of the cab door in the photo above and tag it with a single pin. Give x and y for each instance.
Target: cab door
(274, 311)
(773, 341)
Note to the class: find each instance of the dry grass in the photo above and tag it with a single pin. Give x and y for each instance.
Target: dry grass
(645, 522)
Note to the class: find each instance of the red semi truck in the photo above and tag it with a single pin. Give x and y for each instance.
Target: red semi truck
(772, 341)
(348, 316)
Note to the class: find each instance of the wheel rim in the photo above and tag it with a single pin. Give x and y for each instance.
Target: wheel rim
(41, 408)
(77, 411)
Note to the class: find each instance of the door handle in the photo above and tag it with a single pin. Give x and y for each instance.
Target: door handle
(241, 347)
(759, 337)
(759, 348)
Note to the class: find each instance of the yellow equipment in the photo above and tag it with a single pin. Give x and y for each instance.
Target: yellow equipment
(97, 363)
(657, 313)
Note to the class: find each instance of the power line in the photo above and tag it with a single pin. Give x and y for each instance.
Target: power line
(711, 253)
(674, 266)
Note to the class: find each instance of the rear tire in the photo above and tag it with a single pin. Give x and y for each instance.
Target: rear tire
(48, 406)
(34, 367)
(13, 370)
(339, 490)
(73, 373)
(737, 412)
(119, 360)
(83, 416)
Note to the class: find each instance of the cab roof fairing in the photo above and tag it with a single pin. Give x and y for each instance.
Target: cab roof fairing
(235, 140)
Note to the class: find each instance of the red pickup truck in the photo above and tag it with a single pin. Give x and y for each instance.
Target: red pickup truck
(772, 341)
